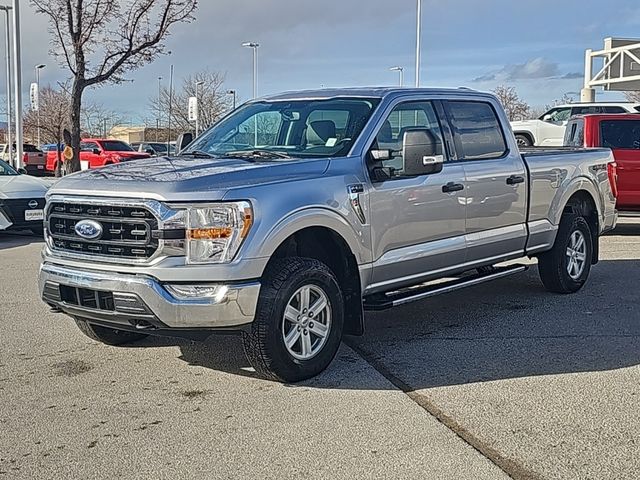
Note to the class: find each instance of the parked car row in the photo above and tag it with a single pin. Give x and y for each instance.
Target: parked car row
(33, 159)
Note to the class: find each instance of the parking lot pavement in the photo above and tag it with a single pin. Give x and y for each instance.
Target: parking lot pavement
(542, 385)
(72, 408)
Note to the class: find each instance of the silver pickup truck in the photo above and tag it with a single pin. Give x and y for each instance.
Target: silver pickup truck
(298, 212)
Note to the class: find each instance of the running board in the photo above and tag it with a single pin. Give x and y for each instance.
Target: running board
(395, 298)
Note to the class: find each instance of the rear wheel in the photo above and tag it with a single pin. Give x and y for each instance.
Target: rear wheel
(299, 321)
(106, 335)
(523, 141)
(565, 268)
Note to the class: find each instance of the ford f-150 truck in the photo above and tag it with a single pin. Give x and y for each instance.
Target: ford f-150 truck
(298, 212)
(620, 133)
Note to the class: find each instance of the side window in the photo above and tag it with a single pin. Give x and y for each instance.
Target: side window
(613, 109)
(623, 134)
(584, 110)
(478, 133)
(88, 146)
(403, 118)
(557, 115)
(574, 136)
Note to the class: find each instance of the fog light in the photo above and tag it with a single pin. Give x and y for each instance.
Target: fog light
(217, 293)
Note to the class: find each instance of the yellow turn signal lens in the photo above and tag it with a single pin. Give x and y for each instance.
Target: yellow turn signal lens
(209, 233)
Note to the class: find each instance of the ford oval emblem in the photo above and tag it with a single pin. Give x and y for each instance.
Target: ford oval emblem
(89, 229)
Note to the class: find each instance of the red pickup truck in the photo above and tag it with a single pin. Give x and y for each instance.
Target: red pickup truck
(96, 152)
(620, 133)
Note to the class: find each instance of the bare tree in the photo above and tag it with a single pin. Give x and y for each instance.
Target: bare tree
(97, 120)
(99, 41)
(515, 107)
(633, 96)
(212, 98)
(55, 109)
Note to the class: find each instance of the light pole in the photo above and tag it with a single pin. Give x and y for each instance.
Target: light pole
(159, 108)
(198, 84)
(418, 35)
(17, 86)
(38, 68)
(232, 92)
(7, 9)
(170, 109)
(254, 46)
(400, 70)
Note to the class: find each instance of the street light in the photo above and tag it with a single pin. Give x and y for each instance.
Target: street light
(232, 92)
(38, 68)
(159, 108)
(418, 35)
(254, 46)
(198, 84)
(6, 10)
(400, 70)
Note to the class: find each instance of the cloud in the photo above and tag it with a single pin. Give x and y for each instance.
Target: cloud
(572, 75)
(538, 68)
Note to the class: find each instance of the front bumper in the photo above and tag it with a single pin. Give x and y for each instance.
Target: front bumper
(142, 302)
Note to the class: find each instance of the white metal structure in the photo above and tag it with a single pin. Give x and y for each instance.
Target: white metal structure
(17, 72)
(548, 130)
(620, 67)
(7, 10)
(418, 35)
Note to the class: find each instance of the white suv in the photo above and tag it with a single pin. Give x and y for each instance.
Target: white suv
(548, 130)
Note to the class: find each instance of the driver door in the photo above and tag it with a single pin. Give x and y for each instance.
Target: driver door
(417, 222)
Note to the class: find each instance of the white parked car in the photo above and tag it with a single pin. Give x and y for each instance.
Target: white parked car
(548, 130)
(21, 200)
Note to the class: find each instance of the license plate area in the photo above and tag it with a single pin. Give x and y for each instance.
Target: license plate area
(34, 215)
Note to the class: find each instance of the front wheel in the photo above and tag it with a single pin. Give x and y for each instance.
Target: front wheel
(523, 141)
(299, 321)
(565, 268)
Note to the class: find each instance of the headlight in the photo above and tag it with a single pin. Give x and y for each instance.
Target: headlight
(215, 232)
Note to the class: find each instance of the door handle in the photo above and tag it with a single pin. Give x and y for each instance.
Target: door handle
(452, 187)
(515, 179)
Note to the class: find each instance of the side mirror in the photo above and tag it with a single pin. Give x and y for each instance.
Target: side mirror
(421, 152)
(22, 171)
(380, 155)
(96, 151)
(184, 139)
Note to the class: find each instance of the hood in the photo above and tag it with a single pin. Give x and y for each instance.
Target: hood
(186, 178)
(21, 186)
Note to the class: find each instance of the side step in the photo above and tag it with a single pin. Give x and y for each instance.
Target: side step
(383, 301)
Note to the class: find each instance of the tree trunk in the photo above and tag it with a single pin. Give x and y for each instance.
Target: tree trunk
(76, 106)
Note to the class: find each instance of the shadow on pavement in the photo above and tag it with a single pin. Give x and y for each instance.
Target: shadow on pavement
(18, 238)
(505, 329)
(626, 229)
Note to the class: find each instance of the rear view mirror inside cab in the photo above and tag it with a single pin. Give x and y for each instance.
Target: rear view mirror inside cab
(421, 152)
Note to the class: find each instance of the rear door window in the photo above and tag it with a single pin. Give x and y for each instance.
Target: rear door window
(478, 134)
(612, 109)
(623, 134)
(574, 136)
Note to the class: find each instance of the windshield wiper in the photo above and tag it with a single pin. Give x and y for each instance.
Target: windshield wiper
(197, 154)
(257, 153)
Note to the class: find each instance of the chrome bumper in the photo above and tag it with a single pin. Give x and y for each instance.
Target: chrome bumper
(136, 300)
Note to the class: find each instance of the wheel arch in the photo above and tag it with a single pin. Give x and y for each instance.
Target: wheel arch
(526, 133)
(328, 245)
(583, 203)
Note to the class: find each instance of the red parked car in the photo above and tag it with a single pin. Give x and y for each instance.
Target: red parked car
(620, 133)
(96, 152)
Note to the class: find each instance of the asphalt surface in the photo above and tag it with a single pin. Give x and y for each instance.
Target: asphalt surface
(501, 380)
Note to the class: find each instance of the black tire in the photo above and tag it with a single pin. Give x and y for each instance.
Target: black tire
(108, 336)
(264, 345)
(553, 265)
(523, 141)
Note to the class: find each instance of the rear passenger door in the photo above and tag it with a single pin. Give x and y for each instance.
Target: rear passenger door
(496, 182)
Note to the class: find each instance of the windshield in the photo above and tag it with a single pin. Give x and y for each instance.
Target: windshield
(300, 128)
(158, 147)
(5, 169)
(116, 146)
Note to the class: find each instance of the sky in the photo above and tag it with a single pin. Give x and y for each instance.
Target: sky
(537, 46)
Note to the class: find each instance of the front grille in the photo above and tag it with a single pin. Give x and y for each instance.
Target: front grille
(15, 208)
(126, 231)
